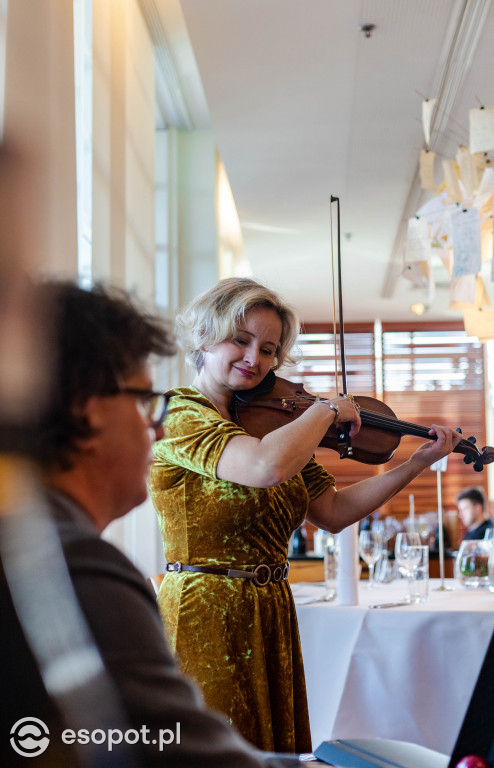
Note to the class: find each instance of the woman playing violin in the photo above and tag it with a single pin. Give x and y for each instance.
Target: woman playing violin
(228, 503)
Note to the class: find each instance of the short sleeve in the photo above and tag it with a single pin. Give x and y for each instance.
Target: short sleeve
(316, 479)
(196, 436)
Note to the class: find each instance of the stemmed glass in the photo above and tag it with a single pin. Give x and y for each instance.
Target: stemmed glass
(407, 554)
(489, 535)
(370, 548)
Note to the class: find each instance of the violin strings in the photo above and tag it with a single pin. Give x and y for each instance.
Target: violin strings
(381, 421)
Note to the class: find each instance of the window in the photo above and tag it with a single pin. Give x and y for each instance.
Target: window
(83, 69)
(430, 361)
(435, 376)
(317, 365)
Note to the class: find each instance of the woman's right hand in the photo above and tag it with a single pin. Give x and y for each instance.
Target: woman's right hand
(348, 412)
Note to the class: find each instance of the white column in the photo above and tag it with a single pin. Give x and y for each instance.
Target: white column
(189, 207)
(40, 117)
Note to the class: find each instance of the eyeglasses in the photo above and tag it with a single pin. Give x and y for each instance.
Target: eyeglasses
(155, 403)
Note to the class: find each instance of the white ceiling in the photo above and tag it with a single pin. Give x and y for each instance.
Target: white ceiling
(304, 106)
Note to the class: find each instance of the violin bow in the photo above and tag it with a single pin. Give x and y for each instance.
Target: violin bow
(340, 303)
(344, 447)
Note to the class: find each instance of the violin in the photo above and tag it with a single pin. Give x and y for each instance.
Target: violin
(277, 401)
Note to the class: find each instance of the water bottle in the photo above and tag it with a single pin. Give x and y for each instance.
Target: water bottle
(330, 564)
(299, 541)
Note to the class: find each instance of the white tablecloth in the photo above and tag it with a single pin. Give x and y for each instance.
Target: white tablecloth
(401, 673)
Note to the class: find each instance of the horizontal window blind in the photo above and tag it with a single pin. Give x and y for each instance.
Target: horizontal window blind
(435, 376)
(428, 361)
(316, 367)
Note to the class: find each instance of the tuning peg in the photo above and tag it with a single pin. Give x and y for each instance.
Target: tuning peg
(472, 439)
(478, 466)
(467, 459)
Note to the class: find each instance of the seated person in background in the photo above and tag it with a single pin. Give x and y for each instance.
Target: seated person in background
(473, 514)
(95, 453)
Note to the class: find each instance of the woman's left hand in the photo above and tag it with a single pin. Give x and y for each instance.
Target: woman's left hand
(434, 450)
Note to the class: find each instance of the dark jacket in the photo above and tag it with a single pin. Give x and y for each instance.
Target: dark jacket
(123, 619)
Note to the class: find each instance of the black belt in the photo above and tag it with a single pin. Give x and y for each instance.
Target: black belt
(270, 572)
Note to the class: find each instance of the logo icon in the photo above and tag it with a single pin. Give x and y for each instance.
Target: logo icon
(29, 737)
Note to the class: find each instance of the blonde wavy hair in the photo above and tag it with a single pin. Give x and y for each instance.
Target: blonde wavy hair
(217, 315)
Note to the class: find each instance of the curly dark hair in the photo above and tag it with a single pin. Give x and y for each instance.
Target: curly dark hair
(97, 337)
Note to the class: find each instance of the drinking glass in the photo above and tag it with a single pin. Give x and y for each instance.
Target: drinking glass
(408, 554)
(472, 563)
(331, 553)
(370, 547)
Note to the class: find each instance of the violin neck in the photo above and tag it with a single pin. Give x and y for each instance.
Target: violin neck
(407, 428)
(381, 421)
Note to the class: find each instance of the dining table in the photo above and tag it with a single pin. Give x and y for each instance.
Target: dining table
(403, 671)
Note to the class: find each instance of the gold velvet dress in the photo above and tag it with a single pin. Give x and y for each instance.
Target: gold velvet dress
(238, 641)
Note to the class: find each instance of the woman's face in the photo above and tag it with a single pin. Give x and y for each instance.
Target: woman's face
(243, 361)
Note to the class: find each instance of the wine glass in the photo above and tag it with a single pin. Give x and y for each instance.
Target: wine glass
(407, 554)
(370, 547)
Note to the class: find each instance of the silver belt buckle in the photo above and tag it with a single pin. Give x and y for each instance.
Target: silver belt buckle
(257, 570)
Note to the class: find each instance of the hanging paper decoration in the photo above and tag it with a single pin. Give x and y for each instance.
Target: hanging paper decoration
(456, 227)
(486, 229)
(462, 294)
(468, 292)
(446, 256)
(426, 169)
(480, 323)
(465, 228)
(451, 180)
(468, 171)
(417, 273)
(486, 182)
(481, 129)
(418, 243)
(427, 110)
